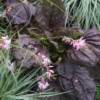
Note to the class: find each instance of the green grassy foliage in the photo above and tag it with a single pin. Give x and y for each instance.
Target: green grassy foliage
(16, 85)
(98, 91)
(85, 12)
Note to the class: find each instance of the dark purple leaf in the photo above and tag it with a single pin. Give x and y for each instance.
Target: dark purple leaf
(83, 57)
(87, 57)
(49, 16)
(76, 79)
(34, 46)
(10, 2)
(92, 37)
(19, 13)
(32, 9)
(94, 71)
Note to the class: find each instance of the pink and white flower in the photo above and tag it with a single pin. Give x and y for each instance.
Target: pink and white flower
(25, 1)
(45, 60)
(49, 73)
(66, 39)
(79, 43)
(42, 85)
(10, 66)
(5, 42)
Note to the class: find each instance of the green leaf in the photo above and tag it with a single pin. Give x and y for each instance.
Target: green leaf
(54, 55)
(61, 49)
(69, 32)
(33, 33)
(39, 35)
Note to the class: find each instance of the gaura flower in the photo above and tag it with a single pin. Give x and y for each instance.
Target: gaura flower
(10, 66)
(49, 72)
(79, 43)
(25, 1)
(66, 39)
(5, 42)
(45, 60)
(42, 85)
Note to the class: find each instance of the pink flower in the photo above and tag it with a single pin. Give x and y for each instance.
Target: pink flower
(42, 85)
(76, 80)
(45, 60)
(79, 43)
(66, 39)
(25, 1)
(5, 42)
(75, 43)
(49, 73)
(4, 38)
(10, 66)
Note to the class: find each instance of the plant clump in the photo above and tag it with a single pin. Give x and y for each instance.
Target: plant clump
(47, 44)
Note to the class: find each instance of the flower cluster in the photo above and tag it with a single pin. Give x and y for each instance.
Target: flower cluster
(5, 42)
(42, 85)
(45, 62)
(80, 43)
(49, 72)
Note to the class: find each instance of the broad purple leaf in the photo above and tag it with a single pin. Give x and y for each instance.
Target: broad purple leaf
(34, 46)
(83, 57)
(19, 13)
(76, 79)
(10, 2)
(49, 16)
(32, 9)
(92, 37)
(87, 57)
